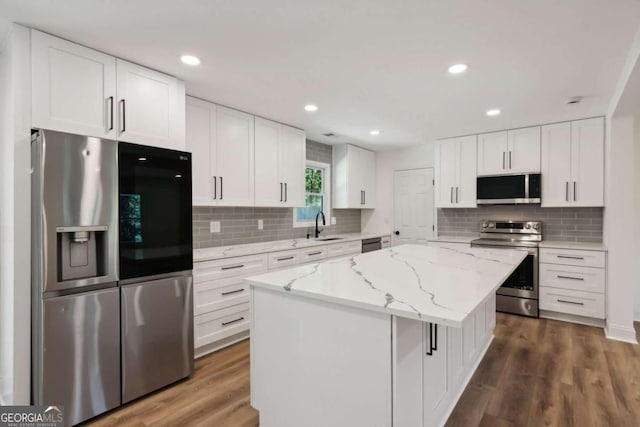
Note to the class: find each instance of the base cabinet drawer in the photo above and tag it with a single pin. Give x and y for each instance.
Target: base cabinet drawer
(284, 259)
(385, 242)
(229, 267)
(314, 254)
(220, 324)
(572, 257)
(342, 249)
(588, 304)
(217, 294)
(587, 279)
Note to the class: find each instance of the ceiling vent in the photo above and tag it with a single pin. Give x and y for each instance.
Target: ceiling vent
(573, 100)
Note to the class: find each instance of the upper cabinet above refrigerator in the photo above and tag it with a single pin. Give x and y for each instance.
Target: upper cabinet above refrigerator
(86, 92)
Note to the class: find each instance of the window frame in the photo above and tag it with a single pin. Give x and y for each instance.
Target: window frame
(326, 192)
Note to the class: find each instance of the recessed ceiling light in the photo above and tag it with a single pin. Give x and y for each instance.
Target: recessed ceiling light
(311, 108)
(374, 132)
(190, 60)
(493, 112)
(458, 68)
(142, 159)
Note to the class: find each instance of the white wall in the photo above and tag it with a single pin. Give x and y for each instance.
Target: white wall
(15, 221)
(380, 219)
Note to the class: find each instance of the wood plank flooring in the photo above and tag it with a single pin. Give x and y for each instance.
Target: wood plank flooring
(537, 372)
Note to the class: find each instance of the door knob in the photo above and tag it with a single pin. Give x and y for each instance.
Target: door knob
(397, 233)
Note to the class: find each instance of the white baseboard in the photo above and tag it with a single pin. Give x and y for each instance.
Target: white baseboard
(564, 317)
(621, 333)
(219, 345)
(636, 316)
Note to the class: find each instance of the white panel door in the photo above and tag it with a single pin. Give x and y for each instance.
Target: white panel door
(466, 176)
(492, 153)
(200, 141)
(74, 87)
(413, 201)
(368, 171)
(292, 161)
(235, 157)
(269, 186)
(148, 107)
(587, 162)
(523, 154)
(446, 164)
(556, 164)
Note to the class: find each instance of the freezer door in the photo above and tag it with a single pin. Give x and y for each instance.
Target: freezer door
(81, 362)
(157, 334)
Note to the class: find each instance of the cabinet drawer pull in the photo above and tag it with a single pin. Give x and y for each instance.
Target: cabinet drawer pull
(286, 258)
(232, 321)
(569, 277)
(570, 302)
(570, 257)
(231, 267)
(314, 253)
(232, 292)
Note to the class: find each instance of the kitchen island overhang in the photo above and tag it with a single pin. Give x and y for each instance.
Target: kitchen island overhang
(388, 338)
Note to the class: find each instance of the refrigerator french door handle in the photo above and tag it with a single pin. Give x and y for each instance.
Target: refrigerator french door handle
(110, 100)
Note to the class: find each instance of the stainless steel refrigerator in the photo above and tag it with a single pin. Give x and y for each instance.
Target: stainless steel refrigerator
(99, 342)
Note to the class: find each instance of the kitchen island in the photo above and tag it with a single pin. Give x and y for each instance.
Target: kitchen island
(387, 338)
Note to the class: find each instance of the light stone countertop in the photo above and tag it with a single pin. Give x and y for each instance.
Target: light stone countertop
(582, 246)
(453, 239)
(221, 252)
(431, 284)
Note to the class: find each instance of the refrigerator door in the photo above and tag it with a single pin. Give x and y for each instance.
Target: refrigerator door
(81, 364)
(157, 334)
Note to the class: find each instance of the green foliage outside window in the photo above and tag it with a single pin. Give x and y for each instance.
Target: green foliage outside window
(314, 195)
(313, 180)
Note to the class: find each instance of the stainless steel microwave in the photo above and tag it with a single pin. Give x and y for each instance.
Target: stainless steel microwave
(509, 189)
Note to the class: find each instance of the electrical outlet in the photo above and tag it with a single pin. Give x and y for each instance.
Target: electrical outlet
(260, 224)
(214, 226)
(333, 220)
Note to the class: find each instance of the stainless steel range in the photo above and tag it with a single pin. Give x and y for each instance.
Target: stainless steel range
(519, 293)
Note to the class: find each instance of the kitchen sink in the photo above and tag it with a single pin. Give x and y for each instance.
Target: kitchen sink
(326, 239)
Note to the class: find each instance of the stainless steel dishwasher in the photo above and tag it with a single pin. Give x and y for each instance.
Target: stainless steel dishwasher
(370, 245)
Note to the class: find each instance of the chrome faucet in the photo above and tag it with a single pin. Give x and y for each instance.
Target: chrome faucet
(324, 222)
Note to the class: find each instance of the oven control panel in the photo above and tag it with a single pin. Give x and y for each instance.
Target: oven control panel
(511, 227)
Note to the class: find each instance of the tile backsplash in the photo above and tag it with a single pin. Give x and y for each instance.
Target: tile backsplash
(570, 224)
(240, 225)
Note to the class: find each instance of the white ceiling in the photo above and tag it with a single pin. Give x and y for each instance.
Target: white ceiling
(368, 64)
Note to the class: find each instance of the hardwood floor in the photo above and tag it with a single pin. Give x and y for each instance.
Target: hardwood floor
(537, 372)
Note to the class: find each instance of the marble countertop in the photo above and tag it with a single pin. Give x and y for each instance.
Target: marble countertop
(583, 246)
(439, 285)
(221, 252)
(453, 239)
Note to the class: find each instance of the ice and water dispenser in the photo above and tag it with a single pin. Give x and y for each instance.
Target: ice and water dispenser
(82, 252)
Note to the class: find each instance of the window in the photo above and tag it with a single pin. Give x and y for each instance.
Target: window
(317, 195)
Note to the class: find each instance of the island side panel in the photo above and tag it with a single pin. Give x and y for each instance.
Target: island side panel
(315, 363)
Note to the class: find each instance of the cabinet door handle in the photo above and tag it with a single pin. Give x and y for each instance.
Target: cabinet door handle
(433, 344)
(110, 99)
(232, 267)
(286, 192)
(574, 191)
(232, 292)
(457, 199)
(566, 191)
(570, 302)
(509, 159)
(569, 257)
(503, 159)
(281, 185)
(215, 187)
(221, 187)
(232, 321)
(124, 116)
(569, 277)
(285, 258)
(364, 197)
(451, 195)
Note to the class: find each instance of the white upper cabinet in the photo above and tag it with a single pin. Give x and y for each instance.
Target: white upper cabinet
(573, 163)
(150, 107)
(353, 177)
(280, 158)
(83, 91)
(523, 150)
(455, 172)
(221, 142)
(234, 157)
(74, 87)
(509, 152)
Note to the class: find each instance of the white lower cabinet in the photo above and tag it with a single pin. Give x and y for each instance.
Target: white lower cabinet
(447, 358)
(337, 250)
(220, 324)
(572, 284)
